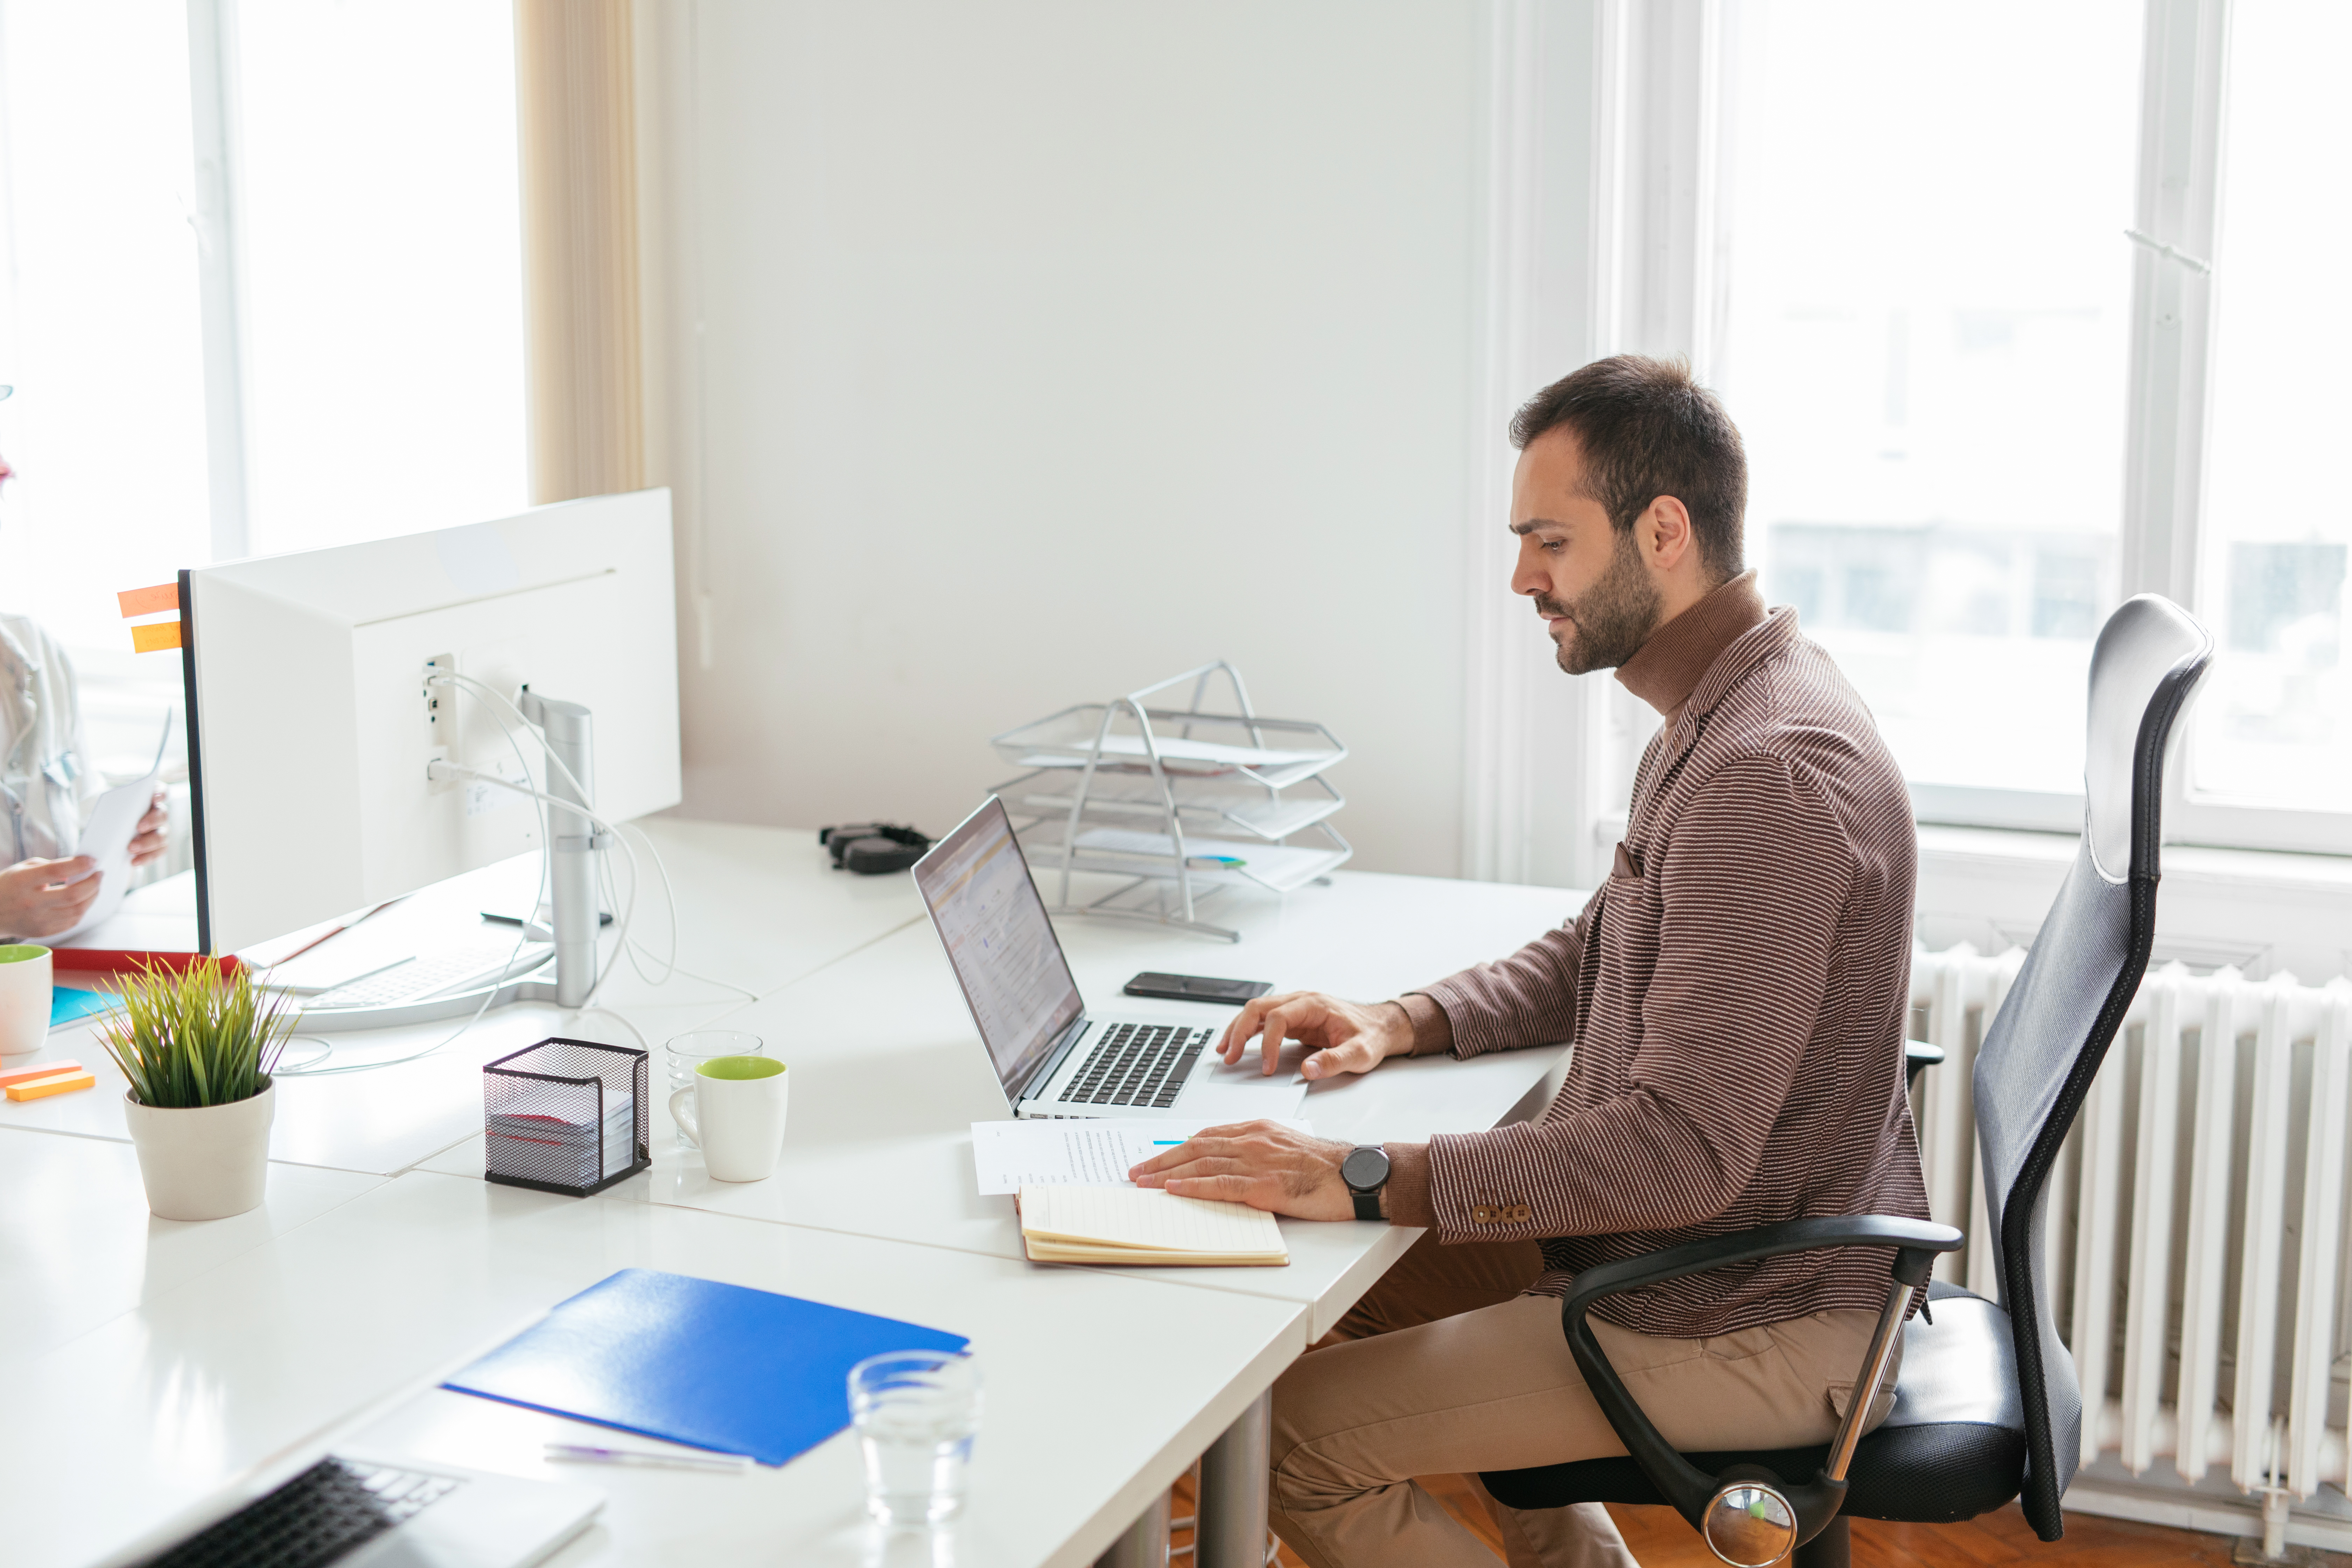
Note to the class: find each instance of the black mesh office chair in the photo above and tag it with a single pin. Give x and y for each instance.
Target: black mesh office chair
(1986, 1404)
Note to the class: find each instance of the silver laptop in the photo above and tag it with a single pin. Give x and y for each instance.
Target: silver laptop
(1051, 1057)
(349, 1511)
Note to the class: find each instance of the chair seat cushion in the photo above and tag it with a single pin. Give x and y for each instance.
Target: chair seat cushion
(1953, 1448)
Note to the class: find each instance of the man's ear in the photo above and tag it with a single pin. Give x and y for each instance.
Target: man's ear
(1664, 533)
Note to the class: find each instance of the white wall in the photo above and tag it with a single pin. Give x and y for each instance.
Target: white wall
(1047, 349)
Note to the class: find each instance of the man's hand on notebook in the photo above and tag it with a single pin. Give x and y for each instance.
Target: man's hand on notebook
(1339, 1035)
(1262, 1163)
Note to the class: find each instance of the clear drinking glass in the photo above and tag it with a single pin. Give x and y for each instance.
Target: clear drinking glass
(917, 1413)
(683, 1053)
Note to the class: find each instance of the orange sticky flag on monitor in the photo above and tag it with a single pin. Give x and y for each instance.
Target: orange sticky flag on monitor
(154, 637)
(149, 601)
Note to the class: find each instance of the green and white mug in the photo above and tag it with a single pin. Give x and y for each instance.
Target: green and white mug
(734, 1112)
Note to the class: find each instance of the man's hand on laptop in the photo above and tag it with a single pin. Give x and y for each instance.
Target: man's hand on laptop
(1339, 1035)
(1262, 1163)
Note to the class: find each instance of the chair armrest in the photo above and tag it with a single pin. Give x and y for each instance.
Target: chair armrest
(1915, 1244)
(1919, 1055)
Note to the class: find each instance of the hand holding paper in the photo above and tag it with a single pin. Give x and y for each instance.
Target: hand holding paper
(107, 839)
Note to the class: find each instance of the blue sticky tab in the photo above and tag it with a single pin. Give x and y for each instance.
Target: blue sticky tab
(693, 1361)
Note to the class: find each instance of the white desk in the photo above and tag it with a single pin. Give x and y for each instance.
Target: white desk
(889, 1074)
(119, 1432)
(756, 908)
(189, 1355)
(79, 1248)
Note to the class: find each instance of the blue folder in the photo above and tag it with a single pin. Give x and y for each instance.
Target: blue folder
(68, 1003)
(692, 1361)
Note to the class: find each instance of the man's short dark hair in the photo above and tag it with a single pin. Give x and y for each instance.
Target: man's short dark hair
(1646, 430)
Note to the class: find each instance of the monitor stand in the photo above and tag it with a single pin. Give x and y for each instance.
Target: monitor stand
(567, 978)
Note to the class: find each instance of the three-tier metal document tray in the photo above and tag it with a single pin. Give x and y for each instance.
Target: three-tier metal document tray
(1180, 802)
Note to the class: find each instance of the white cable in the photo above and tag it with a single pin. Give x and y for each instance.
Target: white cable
(744, 991)
(458, 770)
(546, 869)
(661, 867)
(669, 898)
(628, 910)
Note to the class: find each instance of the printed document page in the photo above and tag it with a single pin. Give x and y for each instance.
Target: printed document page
(1010, 1155)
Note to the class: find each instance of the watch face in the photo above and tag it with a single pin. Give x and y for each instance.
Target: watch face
(1365, 1169)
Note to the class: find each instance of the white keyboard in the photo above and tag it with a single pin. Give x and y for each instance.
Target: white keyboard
(476, 960)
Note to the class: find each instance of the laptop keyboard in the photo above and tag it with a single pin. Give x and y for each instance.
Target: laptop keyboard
(319, 1517)
(1138, 1063)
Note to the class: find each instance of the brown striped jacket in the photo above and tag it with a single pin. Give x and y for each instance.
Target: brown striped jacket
(1737, 994)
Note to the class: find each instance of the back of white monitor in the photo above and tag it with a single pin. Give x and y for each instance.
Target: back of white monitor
(313, 721)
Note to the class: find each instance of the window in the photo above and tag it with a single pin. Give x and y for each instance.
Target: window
(2022, 309)
(373, 281)
(100, 330)
(2274, 727)
(383, 268)
(1925, 311)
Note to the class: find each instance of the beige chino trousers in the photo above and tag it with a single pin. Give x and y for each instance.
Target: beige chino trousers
(1444, 1368)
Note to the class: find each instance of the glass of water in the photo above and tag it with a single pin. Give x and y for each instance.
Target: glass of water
(683, 1053)
(917, 1413)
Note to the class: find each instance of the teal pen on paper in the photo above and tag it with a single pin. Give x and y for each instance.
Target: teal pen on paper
(1166, 1142)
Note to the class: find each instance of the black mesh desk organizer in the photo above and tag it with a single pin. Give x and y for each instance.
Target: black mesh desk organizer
(565, 1115)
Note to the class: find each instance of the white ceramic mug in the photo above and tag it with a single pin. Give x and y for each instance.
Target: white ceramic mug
(24, 997)
(734, 1112)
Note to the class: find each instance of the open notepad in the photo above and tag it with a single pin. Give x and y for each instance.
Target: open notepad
(1143, 1224)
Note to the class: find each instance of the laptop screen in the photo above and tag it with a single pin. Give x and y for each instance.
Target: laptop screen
(986, 908)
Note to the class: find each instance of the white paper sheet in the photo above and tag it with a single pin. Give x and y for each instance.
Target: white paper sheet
(1080, 1151)
(106, 838)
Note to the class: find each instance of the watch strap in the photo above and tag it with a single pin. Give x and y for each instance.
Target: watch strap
(1368, 1205)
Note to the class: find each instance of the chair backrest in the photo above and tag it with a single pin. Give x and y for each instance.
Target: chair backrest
(2043, 1048)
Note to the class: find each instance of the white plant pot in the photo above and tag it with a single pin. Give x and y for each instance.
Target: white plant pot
(206, 1162)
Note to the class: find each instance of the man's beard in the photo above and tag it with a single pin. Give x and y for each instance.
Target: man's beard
(1613, 619)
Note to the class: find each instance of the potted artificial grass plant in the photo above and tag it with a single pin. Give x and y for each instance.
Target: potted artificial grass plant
(197, 1047)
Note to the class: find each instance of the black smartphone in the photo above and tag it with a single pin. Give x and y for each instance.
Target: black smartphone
(1197, 988)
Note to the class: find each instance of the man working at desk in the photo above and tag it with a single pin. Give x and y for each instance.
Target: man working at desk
(1737, 992)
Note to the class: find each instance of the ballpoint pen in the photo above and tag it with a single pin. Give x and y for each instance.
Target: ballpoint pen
(733, 1464)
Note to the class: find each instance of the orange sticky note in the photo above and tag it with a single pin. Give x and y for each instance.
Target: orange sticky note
(38, 1069)
(42, 1088)
(154, 637)
(149, 601)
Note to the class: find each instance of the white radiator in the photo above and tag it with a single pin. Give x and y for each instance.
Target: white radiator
(2199, 1218)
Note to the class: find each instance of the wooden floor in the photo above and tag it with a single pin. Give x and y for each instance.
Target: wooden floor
(1660, 1540)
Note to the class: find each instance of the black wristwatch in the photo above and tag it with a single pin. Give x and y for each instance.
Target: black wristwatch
(1366, 1172)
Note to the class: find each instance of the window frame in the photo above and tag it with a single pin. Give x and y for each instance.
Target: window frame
(2184, 117)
